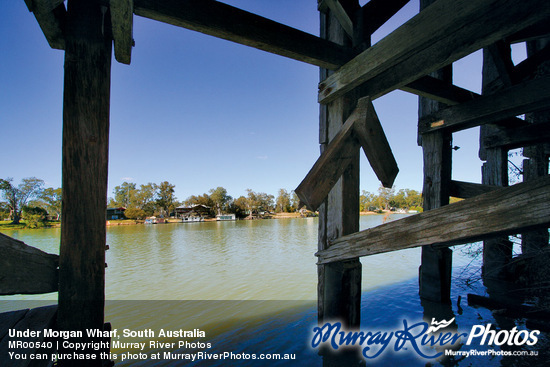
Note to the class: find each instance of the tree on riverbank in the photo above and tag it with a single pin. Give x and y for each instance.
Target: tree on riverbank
(282, 204)
(220, 198)
(51, 199)
(18, 196)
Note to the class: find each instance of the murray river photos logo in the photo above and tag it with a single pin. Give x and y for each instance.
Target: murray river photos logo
(420, 338)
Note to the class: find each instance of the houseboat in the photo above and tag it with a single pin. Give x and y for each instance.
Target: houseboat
(226, 217)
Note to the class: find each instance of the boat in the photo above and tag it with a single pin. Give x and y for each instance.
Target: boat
(154, 220)
(226, 217)
(191, 219)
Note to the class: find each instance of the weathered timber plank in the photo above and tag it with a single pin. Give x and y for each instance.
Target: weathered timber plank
(518, 137)
(86, 105)
(340, 13)
(466, 190)
(233, 24)
(370, 135)
(327, 170)
(539, 30)
(339, 284)
(25, 269)
(504, 211)
(361, 128)
(50, 15)
(122, 12)
(439, 90)
(36, 319)
(525, 97)
(527, 69)
(434, 276)
(442, 33)
(502, 61)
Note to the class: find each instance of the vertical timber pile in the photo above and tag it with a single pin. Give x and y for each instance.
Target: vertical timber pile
(85, 158)
(537, 163)
(436, 265)
(339, 286)
(497, 252)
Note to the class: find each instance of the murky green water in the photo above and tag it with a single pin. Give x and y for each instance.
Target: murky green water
(239, 260)
(251, 285)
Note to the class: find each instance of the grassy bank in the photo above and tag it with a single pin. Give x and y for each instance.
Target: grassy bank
(7, 224)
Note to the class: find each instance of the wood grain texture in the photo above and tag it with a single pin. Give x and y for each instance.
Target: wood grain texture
(465, 190)
(25, 269)
(339, 284)
(220, 20)
(86, 102)
(439, 90)
(122, 13)
(362, 128)
(518, 137)
(50, 15)
(507, 210)
(439, 35)
(528, 96)
(340, 13)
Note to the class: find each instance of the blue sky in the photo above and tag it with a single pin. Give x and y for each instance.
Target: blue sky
(201, 112)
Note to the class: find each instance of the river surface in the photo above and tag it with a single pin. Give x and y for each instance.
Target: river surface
(250, 285)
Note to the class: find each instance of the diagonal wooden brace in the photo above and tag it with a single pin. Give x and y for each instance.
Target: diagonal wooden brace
(362, 128)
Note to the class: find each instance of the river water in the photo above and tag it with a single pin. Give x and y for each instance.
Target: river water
(250, 286)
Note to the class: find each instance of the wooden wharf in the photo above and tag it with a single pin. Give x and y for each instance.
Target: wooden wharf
(416, 57)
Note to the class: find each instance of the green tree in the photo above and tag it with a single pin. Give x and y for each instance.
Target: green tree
(145, 198)
(4, 210)
(368, 201)
(17, 197)
(294, 201)
(282, 203)
(34, 216)
(259, 201)
(385, 195)
(166, 198)
(220, 198)
(52, 200)
(135, 213)
(124, 195)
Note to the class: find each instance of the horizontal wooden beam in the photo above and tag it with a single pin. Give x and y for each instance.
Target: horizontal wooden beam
(122, 13)
(519, 137)
(439, 35)
(438, 90)
(362, 128)
(504, 211)
(524, 97)
(233, 24)
(539, 30)
(466, 190)
(25, 269)
(50, 15)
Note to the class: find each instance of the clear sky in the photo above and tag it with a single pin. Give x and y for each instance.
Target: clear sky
(201, 112)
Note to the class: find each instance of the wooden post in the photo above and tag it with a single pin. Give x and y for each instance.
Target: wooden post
(339, 287)
(497, 252)
(537, 163)
(85, 157)
(436, 264)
